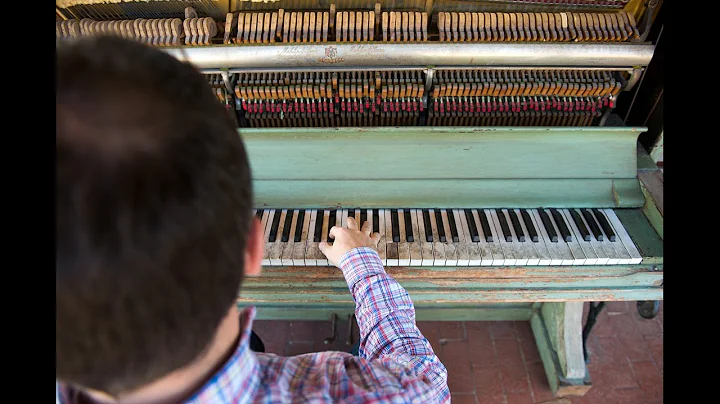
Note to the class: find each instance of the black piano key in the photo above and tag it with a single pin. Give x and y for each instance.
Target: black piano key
(605, 225)
(299, 226)
(485, 224)
(580, 225)
(428, 229)
(376, 221)
(547, 224)
(562, 226)
(409, 236)
(331, 224)
(440, 227)
(473, 227)
(395, 225)
(530, 227)
(286, 227)
(259, 214)
(515, 220)
(593, 225)
(504, 226)
(363, 217)
(274, 226)
(453, 226)
(317, 235)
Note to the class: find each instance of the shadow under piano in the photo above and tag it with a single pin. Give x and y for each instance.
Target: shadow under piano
(478, 137)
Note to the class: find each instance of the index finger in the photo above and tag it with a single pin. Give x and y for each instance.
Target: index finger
(351, 223)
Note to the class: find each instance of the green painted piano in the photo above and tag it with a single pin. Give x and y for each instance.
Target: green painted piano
(475, 136)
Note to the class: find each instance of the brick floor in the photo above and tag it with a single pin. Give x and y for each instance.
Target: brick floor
(498, 362)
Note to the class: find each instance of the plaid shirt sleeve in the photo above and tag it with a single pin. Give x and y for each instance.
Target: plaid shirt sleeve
(386, 318)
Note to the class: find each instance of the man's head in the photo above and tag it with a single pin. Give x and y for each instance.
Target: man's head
(153, 214)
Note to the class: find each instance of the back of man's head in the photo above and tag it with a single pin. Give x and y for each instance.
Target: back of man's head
(153, 209)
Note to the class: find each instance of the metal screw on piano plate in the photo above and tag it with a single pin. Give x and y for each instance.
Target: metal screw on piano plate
(331, 338)
(655, 268)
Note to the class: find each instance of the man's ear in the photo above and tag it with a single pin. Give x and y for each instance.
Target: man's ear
(254, 249)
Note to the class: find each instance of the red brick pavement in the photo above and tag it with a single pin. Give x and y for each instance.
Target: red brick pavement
(498, 362)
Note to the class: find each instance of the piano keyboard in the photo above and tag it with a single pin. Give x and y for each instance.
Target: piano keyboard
(456, 237)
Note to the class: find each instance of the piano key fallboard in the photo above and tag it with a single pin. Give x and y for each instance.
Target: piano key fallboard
(456, 237)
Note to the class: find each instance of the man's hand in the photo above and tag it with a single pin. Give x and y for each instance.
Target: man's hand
(347, 239)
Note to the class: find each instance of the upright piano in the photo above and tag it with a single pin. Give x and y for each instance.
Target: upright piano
(477, 137)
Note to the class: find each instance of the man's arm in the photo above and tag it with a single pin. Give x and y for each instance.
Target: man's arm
(384, 310)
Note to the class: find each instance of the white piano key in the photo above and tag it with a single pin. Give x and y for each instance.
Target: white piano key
(623, 256)
(524, 253)
(344, 217)
(426, 247)
(322, 259)
(507, 248)
(540, 248)
(289, 248)
(438, 246)
(382, 244)
(300, 247)
(403, 246)
(622, 234)
(415, 249)
(464, 245)
(591, 257)
(451, 258)
(312, 251)
(557, 255)
(356, 214)
(490, 253)
(567, 257)
(277, 247)
(390, 245)
(578, 257)
(369, 219)
(266, 237)
(613, 256)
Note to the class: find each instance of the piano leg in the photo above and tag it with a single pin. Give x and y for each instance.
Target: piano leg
(558, 333)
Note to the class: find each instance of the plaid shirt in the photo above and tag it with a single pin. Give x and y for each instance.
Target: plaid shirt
(396, 363)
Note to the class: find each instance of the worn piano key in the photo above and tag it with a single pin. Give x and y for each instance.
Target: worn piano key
(529, 226)
(410, 231)
(302, 228)
(286, 257)
(375, 221)
(332, 221)
(549, 229)
(286, 227)
(524, 253)
(322, 259)
(391, 246)
(382, 244)
(584, 233)
(312, 252)
(492, 252)
(394, 225)
(450, 247)
(428, 229)
(402, 245)
(538, 246)
(426, 245)
(505, 246)
(607, 229)
(474, 234)
(515, 221)
(473, 248)
(441, 228)
(438, 246)
(411, 226)
(588, 251)
(274, 227)
(570, 253)
(364, 218)
(343, 218)
(635, 257)
(561, 225)
(603, 255)
(277, 247)
(269, 222)
(485, 225)
(462, 245)
(453, 227)
(592, 224)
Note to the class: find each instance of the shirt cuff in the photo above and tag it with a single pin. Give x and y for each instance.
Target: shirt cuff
(359, 263)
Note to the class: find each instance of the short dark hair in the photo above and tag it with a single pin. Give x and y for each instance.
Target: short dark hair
(153, 211)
